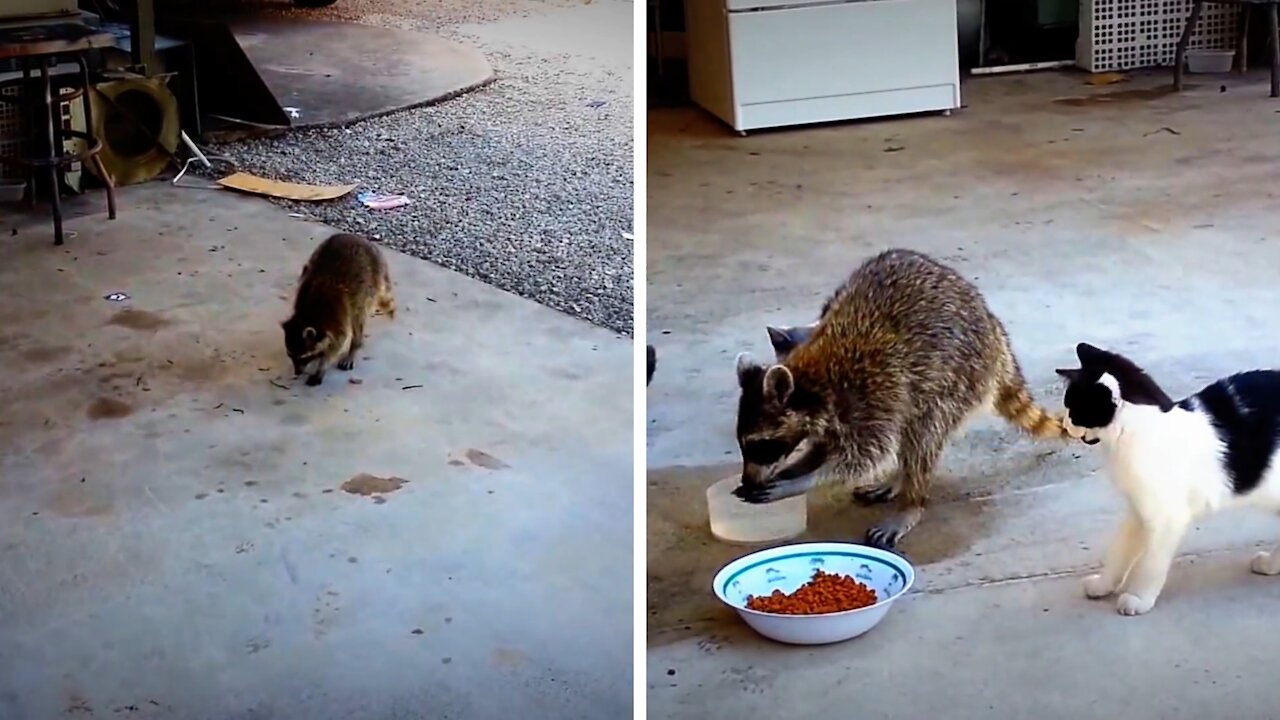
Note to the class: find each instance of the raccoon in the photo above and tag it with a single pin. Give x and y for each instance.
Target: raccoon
(904, 353)
(345, 279)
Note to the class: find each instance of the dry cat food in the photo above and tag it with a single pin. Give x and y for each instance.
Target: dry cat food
(825, 593)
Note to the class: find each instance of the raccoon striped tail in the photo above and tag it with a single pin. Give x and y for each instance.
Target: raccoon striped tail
(1014, 403)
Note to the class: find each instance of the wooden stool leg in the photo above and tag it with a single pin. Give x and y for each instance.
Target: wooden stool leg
(1180, 55)
(110, 183)
(88, 122)
(1273, 20)
(51, 110)
(1242, 41)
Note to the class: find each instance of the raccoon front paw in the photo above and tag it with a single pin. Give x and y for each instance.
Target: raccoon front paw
(875, 495)
(772, 492)
(1096, 587)
(1129, 604)
(315, 380)
(346, 363)
(884, 538)
(1264, 563)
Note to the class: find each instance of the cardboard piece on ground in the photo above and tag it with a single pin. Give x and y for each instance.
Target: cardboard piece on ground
(1107, 78)
(289, 191)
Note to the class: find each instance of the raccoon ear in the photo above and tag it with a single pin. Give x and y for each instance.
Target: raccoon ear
(308, 334)
(745, 365)
(778, 384)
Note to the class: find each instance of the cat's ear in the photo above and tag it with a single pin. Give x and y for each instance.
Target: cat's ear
(778, 384)
(785, 339)
(1088, 353)
(1070, 374)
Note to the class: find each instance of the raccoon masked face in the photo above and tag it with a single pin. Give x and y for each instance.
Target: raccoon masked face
(780, 452)
(306, 346)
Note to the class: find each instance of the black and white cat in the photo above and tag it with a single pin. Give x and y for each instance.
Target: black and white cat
(1174, 462)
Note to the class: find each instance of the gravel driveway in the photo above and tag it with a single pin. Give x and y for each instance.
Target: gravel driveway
(526, 184)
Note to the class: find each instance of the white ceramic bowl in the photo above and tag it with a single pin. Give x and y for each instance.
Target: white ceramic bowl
(788, 567)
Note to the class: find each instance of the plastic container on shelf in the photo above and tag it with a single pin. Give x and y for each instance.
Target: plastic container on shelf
(739, 523)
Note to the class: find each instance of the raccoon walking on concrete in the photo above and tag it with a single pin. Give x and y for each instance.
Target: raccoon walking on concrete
(343, 282)
(904, 353)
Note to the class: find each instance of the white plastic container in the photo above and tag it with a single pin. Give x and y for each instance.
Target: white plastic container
(790, 566)
(12, 191)
(740, 523)
(1210, 61)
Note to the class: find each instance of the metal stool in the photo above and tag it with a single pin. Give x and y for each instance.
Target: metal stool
(37, 48)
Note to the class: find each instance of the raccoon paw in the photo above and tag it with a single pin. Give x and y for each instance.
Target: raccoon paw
(884, 537)
(875, 495)
(346, 363)
(773, 492)
(314, 380)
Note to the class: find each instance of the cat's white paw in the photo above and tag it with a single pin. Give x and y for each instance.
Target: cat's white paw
(1264, 564)
(1096, 587)
(1130, 604)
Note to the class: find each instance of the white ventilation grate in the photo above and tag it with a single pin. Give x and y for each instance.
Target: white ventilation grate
(1128, 34)
(13, 133)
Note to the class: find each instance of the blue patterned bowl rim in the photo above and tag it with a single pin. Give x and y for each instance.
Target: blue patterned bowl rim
(897, 564)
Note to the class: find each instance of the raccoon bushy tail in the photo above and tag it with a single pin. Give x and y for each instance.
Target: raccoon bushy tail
(1014, 403)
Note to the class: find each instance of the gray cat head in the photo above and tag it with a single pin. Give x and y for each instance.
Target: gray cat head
(787, 339)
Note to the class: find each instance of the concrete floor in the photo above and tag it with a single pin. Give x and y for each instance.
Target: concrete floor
(1123, 216)
(174, 540)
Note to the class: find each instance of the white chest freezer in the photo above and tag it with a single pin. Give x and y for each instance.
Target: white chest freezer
(771, 63)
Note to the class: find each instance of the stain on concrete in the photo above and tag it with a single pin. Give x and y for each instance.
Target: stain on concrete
(105, 408)
(508, 658)
(141, 320)
(366, 485)
(482, 459)
(42, 354)
(77, 499)
(1131, 95)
